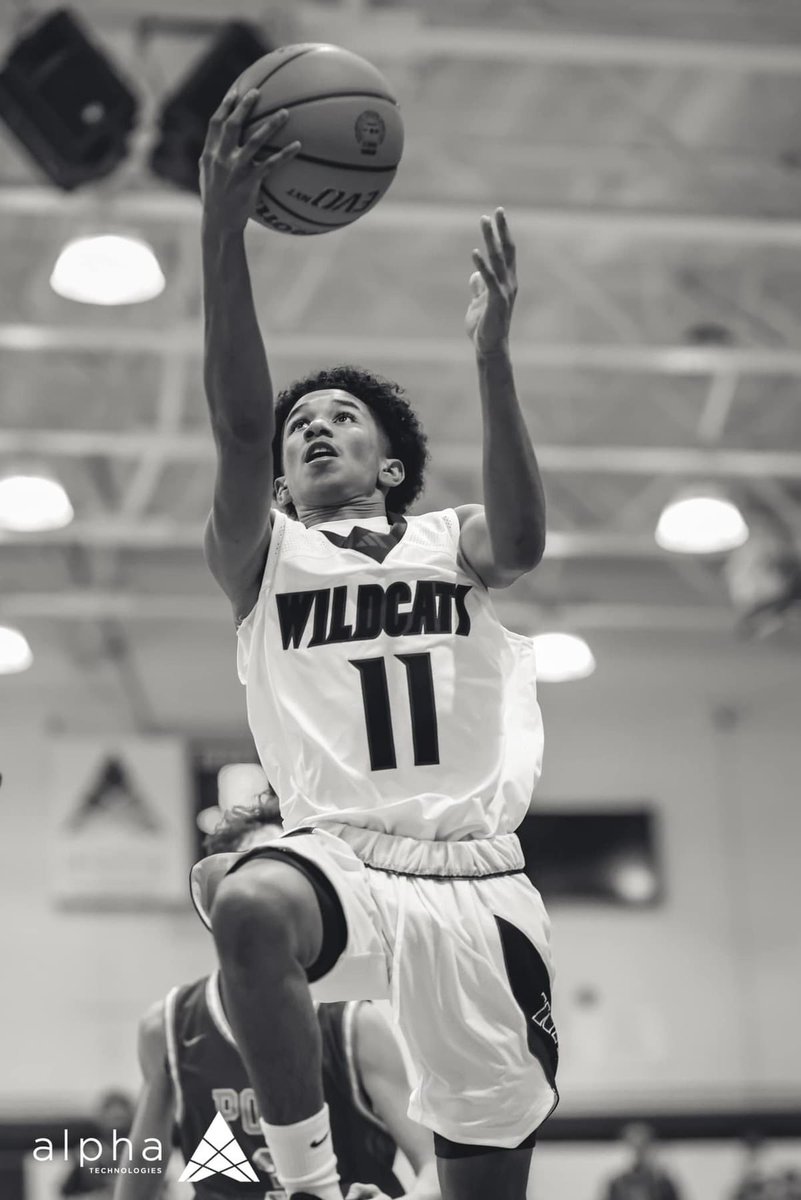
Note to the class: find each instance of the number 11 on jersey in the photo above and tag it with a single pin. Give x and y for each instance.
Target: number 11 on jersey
(378, 714)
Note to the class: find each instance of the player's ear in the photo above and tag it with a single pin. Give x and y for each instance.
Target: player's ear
(281, 492)
(391, 473)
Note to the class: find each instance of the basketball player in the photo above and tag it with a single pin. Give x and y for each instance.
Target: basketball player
(192, 1070)
(395, 716)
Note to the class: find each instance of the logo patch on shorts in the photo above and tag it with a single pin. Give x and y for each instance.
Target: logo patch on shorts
(542, 1018)
(531, 987)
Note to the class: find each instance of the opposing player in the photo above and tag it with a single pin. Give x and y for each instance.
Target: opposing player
(394, 714)
(192, 1070)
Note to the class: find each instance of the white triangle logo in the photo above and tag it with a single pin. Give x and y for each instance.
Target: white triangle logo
(219, 1153)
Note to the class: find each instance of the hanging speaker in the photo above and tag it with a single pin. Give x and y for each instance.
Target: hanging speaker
(65, 103)
(187, 111)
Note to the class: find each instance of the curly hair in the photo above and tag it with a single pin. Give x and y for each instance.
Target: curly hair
(243, 819)
(387, 402)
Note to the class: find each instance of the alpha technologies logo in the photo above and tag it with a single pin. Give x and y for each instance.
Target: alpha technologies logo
(219, 1153)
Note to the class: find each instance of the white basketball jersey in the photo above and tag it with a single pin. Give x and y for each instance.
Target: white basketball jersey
(382, 691)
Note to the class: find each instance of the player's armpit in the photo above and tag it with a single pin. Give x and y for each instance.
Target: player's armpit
(476, 555)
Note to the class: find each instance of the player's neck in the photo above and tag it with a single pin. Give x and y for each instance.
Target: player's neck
(361, 508)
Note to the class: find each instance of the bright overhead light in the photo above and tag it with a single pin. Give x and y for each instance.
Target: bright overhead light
(562, 657)
(701, 524)
(15, 653)
(33, 503)
(108, 269)
(633, 880)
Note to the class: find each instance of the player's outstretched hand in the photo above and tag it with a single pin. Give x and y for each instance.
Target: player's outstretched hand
(234, 163)
(493, 286)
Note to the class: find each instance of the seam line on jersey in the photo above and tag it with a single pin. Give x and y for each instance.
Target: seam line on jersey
(446, 878)
(273, 554)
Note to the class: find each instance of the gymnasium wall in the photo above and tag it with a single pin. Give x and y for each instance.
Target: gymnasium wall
(690, 1003)
(693, 1002)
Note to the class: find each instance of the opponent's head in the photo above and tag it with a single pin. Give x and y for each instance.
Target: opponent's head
(639, 1136)
(246, 826)
(114, 1111)
(345, 434)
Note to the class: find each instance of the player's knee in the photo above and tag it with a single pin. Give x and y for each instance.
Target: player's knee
(252, 922)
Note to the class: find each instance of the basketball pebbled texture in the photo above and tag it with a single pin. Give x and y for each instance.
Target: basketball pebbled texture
(351, 132)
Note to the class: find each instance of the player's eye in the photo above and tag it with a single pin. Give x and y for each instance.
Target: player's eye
(297, 423)
(347, 416)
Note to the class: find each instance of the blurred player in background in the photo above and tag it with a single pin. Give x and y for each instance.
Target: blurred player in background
(113, 1116)
(644, 1178)
(192, 1070)
(395, 716)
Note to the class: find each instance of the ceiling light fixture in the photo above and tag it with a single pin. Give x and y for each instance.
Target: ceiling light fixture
(633, 880)
(15, 653)
(107, 269)
(701, 523)
(562, 657)
(33, 503)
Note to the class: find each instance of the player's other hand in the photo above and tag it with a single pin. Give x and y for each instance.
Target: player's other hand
(235, 161)
(493, 286)
(365, 1191)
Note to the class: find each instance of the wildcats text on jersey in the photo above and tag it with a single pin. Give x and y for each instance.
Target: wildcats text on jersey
(430, 606)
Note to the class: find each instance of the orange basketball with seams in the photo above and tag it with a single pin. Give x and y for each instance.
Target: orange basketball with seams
(347, 120)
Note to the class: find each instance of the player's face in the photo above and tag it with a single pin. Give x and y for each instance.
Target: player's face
(334, 450)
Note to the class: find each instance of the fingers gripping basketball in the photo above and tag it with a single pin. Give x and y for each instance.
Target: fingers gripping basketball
(342, 112)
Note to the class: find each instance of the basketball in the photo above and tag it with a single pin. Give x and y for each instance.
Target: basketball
(347, 120)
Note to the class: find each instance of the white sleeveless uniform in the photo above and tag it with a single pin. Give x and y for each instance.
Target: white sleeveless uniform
(387, 695)
(396, 717)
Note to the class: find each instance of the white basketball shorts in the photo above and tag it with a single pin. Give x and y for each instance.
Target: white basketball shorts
(463, 958)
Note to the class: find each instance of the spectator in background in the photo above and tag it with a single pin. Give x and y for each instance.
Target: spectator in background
(644, 1179)
(114, 1114)
(752, 1183)
(792, 1184)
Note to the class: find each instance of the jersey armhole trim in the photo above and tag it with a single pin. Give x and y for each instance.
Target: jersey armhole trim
(463, 563)
(215, 1006)
(172, 1053)
(361, 1100)
(466, 567)
(276, 539)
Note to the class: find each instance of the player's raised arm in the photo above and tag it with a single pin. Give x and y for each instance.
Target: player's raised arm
(506, 538)
(235, 159)
(154, 1114)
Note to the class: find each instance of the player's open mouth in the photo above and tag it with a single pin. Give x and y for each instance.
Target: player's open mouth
(319, 450)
